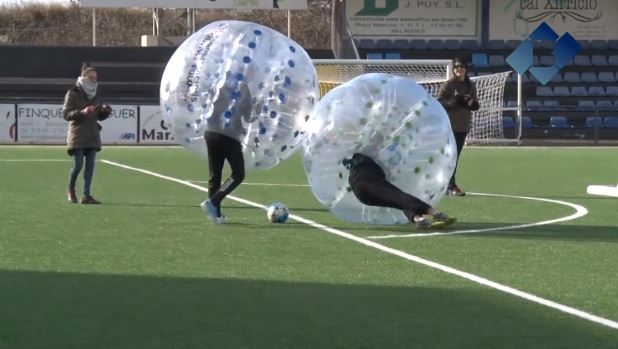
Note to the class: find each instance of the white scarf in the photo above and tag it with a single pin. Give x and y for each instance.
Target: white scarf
(89, 87)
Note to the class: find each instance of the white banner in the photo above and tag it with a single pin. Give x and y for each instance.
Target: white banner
(121, 126)
(583, 19)
(7, 123)
(437, 19)
(221, 4)
(41, 123)
(152, 129)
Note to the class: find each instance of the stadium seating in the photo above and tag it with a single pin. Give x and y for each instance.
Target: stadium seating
(589, 77)
(534, 104)
(479, 60)
(611, 122)
(526, 122)
(604, 104)
(586, 104)
(612, 60)
(546, 61)
(598, 60)
(582, 60)
(571, 76)
(612, 44)
(392, 55)
(552, 104)
(562, 91)
(606, 76)
(596, 91)
(559, 122)
(496, 60)
(612, 91)
(507, 122)
(375, 55)
(418, 44)
(545, 91)
(594, 122)
(580, 91)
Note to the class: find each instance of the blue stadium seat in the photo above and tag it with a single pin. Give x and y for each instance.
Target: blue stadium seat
(479, 59)
(562, 91)
(580, 91)
(544, 91)
(612, 60)
(469, 44)
(546, 61)
(436, 44)
(496, 44)
(598, 60)
(551, 104)
(571, 76)
(392, 55)
(594, 122)
(613, 44)
(611, 122)
(596, 91)
(582, 60)
(598, 44)
(548, 44)
(367, 43)
(385, 44)
(452, 44)
(605, 104)
(418, 44)
(557, 78)
(375, 55)
(511, 103)
(606, 76)
(526, 122)
(534, 104)
(536, 61)
(585, 44)
(612, 91)
(585, 104)
(507, 122)
(589, 76)
(496, 60)
(402, 44)
(559, 122)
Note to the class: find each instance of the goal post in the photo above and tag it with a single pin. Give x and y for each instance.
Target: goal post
(486, 122)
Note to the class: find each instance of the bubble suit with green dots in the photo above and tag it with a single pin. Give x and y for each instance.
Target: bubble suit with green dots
(394, 121)
(244, 81)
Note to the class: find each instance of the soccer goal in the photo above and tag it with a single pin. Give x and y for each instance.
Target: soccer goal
(486, 122)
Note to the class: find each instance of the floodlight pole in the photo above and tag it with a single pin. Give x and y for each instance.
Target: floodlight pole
(94, 26)
(519, 106)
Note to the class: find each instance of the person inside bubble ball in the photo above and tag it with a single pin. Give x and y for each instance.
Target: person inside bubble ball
(370, 186)
(83, 110)
(458, 96)
(221, 146)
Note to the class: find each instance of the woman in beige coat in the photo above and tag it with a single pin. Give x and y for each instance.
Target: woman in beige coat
(83, 110)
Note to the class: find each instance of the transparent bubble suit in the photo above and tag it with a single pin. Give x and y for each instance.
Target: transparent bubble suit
(394, 121)
(242, 80)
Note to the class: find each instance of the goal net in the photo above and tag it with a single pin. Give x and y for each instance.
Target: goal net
(486, 122)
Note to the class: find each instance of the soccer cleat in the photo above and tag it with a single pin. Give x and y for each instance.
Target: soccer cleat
(89, 200)
(212, 212)
(442, 217)
(71, 197)
(427, 222)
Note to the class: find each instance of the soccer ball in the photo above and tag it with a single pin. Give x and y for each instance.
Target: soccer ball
(277, 212)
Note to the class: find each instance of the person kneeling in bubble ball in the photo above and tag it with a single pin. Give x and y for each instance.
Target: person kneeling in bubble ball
(370, 186)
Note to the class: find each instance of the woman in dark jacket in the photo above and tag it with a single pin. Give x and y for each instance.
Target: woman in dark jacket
(458, 97)
(83, 109)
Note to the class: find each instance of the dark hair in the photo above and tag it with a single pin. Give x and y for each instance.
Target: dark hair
(86, 67)
(459, 61)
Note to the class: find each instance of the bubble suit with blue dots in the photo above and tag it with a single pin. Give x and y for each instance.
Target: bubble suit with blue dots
(392, 120)
(244, 81)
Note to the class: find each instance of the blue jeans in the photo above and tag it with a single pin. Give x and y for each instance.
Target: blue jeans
(78, 163)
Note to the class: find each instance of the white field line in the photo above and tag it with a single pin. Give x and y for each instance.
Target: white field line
(580, 211)
(474, 278)
(262, 184)
(35, 160)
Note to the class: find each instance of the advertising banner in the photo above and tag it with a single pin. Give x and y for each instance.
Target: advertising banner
(41, 123)
(583, 19)
(391, 19)
(7, 123)
(221, 4)
(152, 129)
(121, 126)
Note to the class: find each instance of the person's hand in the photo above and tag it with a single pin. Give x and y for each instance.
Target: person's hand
(460, 98)
(470, 102)
(89, 110)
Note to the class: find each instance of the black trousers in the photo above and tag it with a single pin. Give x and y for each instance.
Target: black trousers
(460, 140)
(221, 148)
(379, 192)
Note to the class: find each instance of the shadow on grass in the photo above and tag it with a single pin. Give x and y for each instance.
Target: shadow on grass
(66, 310)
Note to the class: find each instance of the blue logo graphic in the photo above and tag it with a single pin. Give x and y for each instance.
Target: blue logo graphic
(521, 59)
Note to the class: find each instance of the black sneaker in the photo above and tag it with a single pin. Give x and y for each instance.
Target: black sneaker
(89, 200)
(455, 191)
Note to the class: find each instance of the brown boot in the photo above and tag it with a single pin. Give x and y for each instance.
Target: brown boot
(89, 200)
(71, 197)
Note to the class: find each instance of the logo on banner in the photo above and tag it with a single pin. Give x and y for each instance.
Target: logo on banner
(581, 11)
(154, 134)
(565, 48)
